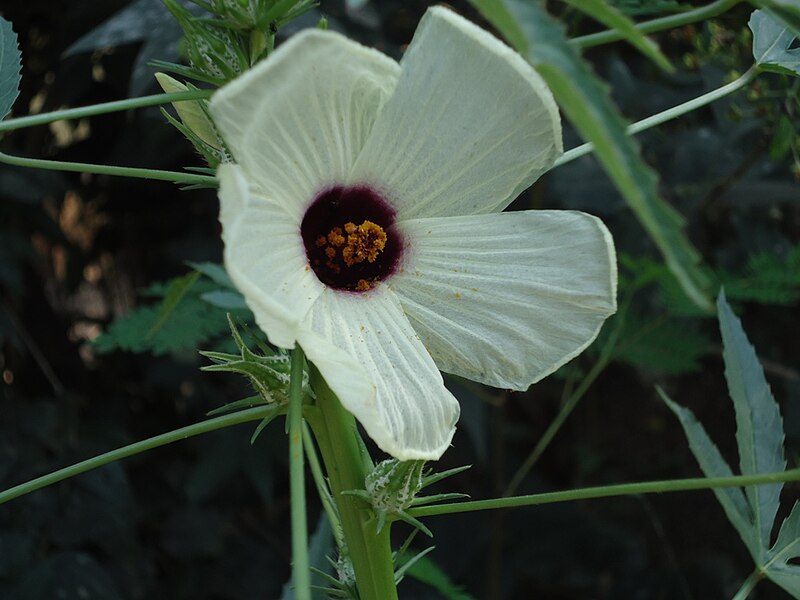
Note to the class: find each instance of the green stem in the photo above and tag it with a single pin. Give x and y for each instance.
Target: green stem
(252, 414)
(555, 426)
(605, 357)
(102, 109)
(677, 20)
(322, 486)
(301, 571)
(337, 436)
(749, 585)
(56, 165)
(669, 114)
(609, 491)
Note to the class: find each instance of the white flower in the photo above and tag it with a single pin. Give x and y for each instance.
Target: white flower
(362, 222)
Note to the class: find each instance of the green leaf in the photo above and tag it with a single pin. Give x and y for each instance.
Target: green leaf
(733, 500)
(587, 103)
(786, 548)
(766, 278)
(175, 293)
(786, 11)
(759, 432)
(214, 272)
(783, 138)
(667, 345)
(427, 571)
(191, 322)
(10, 66)
(614, 19)
(771, 44)
(760, 437)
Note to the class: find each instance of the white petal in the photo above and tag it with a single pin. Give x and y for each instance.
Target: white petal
(469, 127)
(343, 374)
(506, 299)
(265, 257)
(412, 416)
(296, 121)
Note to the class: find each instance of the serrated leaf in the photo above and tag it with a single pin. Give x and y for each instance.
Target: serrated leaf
(771, 44)
(767, 278)
(759, 432)
(195, 323)
(587, 103)
(614, 19)
(786, 11)
(175, 293)
(668, 346)
(191, 323)
(760, 437)
(10, 67)
(733, 500)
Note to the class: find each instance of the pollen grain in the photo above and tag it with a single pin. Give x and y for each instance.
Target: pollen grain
(352, 245)
(364, 242)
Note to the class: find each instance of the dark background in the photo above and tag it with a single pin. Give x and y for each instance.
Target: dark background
(209, 518)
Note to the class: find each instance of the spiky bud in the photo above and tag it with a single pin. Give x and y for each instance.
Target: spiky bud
(393, 484)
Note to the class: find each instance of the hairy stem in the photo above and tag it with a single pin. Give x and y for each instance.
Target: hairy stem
(322, 486)
(301, 572)
(337, 436)
(252, 414)
(700, 13)
(102, 109)
(669, 114)
(606, 354)
(609, 491)
(56, 165)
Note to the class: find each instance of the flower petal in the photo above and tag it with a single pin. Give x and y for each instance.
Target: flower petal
(470, 125)
(296, 121)
(413, 415)
(265, 257)
(506, 299)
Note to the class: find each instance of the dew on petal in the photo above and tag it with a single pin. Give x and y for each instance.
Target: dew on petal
(350, 238)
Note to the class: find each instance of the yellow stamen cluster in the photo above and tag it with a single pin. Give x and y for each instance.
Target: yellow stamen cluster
(353, 245)
(364, 242)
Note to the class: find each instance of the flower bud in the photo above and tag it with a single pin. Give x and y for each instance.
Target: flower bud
(191, 112)
(393, 484)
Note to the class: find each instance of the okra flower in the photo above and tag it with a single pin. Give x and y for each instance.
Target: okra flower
(362, 220)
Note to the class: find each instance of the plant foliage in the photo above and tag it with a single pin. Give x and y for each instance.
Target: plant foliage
(10, 67)
(760, 438)
(586, 101)
(183, 320)
(772, 42)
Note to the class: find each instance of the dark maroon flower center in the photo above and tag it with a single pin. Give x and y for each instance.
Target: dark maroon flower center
(350, 238)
